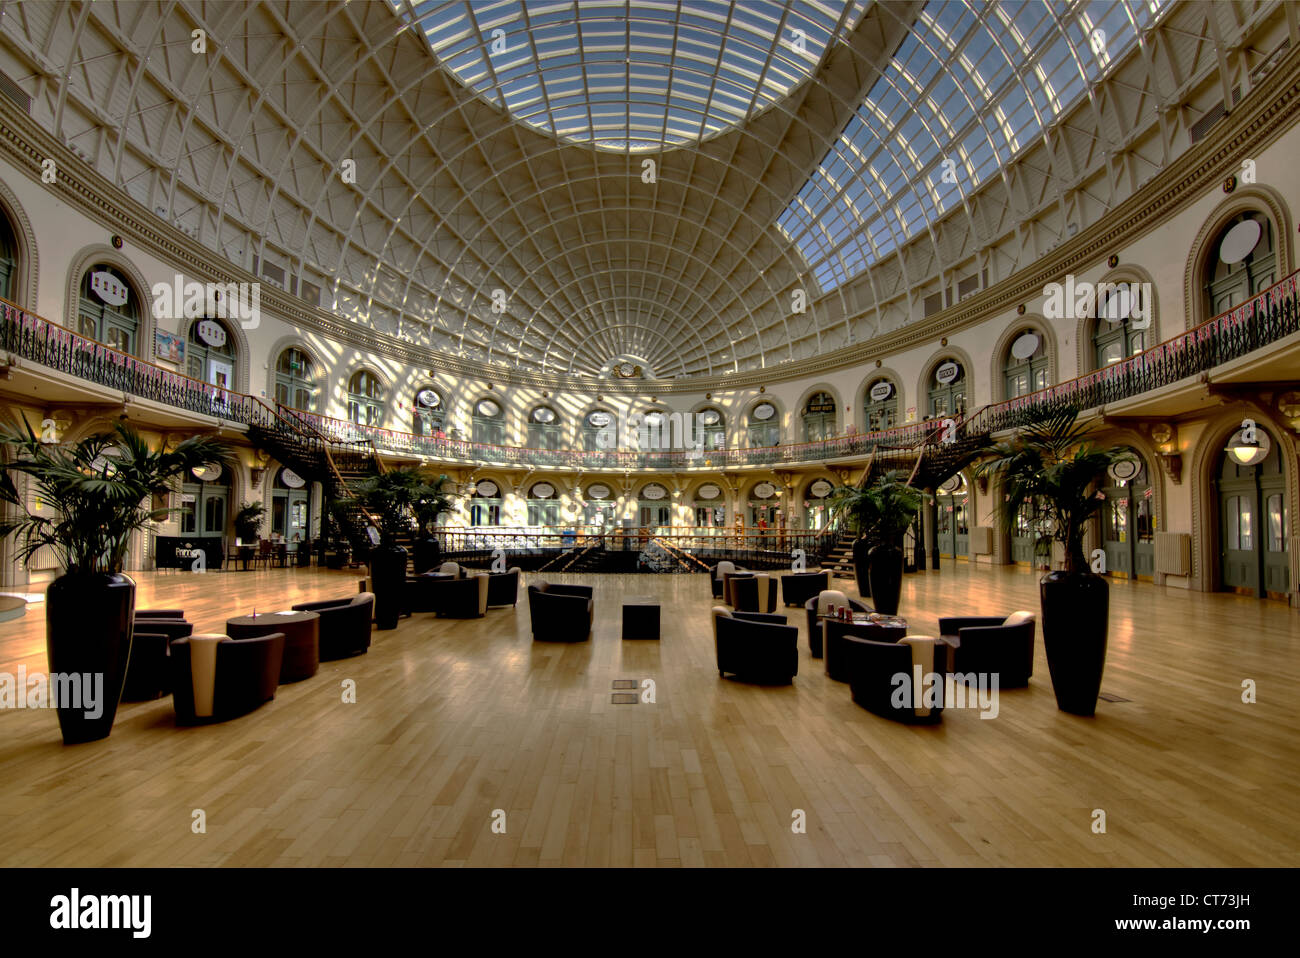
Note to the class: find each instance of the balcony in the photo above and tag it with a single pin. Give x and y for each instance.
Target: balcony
(1266, 319)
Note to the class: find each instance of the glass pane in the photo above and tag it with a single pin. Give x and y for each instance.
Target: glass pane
(1276, 523)
(1247, 538)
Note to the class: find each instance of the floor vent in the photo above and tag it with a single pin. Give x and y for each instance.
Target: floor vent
(624, 698)
(1111, 697)
(624, 684)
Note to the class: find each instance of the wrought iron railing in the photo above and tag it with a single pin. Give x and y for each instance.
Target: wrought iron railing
(1265, 319)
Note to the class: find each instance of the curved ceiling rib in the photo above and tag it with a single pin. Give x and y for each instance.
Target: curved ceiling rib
(854, 170)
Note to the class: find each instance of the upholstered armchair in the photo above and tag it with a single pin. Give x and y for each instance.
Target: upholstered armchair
(560, 613)
(820, 604)
(993, 644)
(453, 568)
(215, 678)
(174, 627)
(148, 670)
(753, 593)
(344, 624)
(798, 587)
(465, 598)
(838, 650)
(883, 675)
(503, 587)
(755, 646)
(716, 576)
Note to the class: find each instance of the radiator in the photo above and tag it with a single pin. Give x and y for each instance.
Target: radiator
(1174, 553)
(981, 541)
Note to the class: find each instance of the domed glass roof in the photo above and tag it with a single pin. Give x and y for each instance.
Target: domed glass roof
(630, 76)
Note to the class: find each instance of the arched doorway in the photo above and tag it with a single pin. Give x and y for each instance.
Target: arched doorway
(290, 506)
(8, 259)
(654, 507)
(764, 426)
(488, 423)
(1128, 524)
(880, 405)
(428, 413)
(948, 390)
(205, 501)
(485, 504)
(1025, 365)
(819, 417)
(1253, 517)
(543, 505)
(544, 428)
(710, 507)
(295, 380)
(816, 513)
(953, 527)
(366, 399)
(763, 506)
(598, 506)
(210, 353)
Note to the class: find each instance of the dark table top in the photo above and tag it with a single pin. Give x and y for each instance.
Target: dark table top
(272, 618)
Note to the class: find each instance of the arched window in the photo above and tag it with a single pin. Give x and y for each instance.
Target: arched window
(290, 506)
(365, 399)
(764, 425)
(880, 405)
(108, 308)
(489, 423)
(764, 502)
(1242, 262)
(485, 504)
(714, 427)
(948, 389)
(819, 417)
(544, 428)
(1025, 366)
(1117, 333)
(543, 505)
(598, 431)
(8, 259)
(295, 380)
(428, 413)
(210, 353)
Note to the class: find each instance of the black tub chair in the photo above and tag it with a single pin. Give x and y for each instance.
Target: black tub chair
(560, 613)
(755, 646)
(716, 576)
(465, 598)
(503, 587)
(148, 670)
(215, 678)
(993, 644)
(753, 593)
(344, 624)
(798, 587)
(883, 675)
(820, 603)
(838, 650)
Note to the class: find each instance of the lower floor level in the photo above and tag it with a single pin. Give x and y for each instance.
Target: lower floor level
(460, 724)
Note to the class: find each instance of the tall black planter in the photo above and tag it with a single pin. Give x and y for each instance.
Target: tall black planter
(886, 578)
(427, 554)
(388, 580)
(88, 634)
(861, 560)
(1076, 615)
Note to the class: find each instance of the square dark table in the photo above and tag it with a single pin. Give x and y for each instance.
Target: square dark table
(640, 617)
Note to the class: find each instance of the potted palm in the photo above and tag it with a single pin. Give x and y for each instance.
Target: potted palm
(89, 498)
(1050, 469)
(248, 528)
(880, 513)
(390, 500)
(433, 501)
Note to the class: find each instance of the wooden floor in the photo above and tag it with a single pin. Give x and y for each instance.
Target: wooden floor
(455, 720)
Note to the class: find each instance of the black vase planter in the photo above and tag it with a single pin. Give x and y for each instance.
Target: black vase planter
(886, 577)
(388, 582)
(861, 561)
(427, 554)
(1076, 615)
(88, 634)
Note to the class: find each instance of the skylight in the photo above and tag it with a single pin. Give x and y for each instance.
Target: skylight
(631, 76)
(970, 87)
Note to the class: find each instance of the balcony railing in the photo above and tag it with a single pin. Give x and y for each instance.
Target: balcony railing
(1265, 319)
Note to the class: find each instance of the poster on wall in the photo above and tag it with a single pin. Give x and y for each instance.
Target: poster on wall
(169, 347)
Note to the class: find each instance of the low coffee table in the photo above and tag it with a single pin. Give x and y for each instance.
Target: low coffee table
(640, 617)
(871, 625)
(301, 639)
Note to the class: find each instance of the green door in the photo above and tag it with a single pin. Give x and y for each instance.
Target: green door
(1252, 526)
(954, 525)
(1128, 520)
